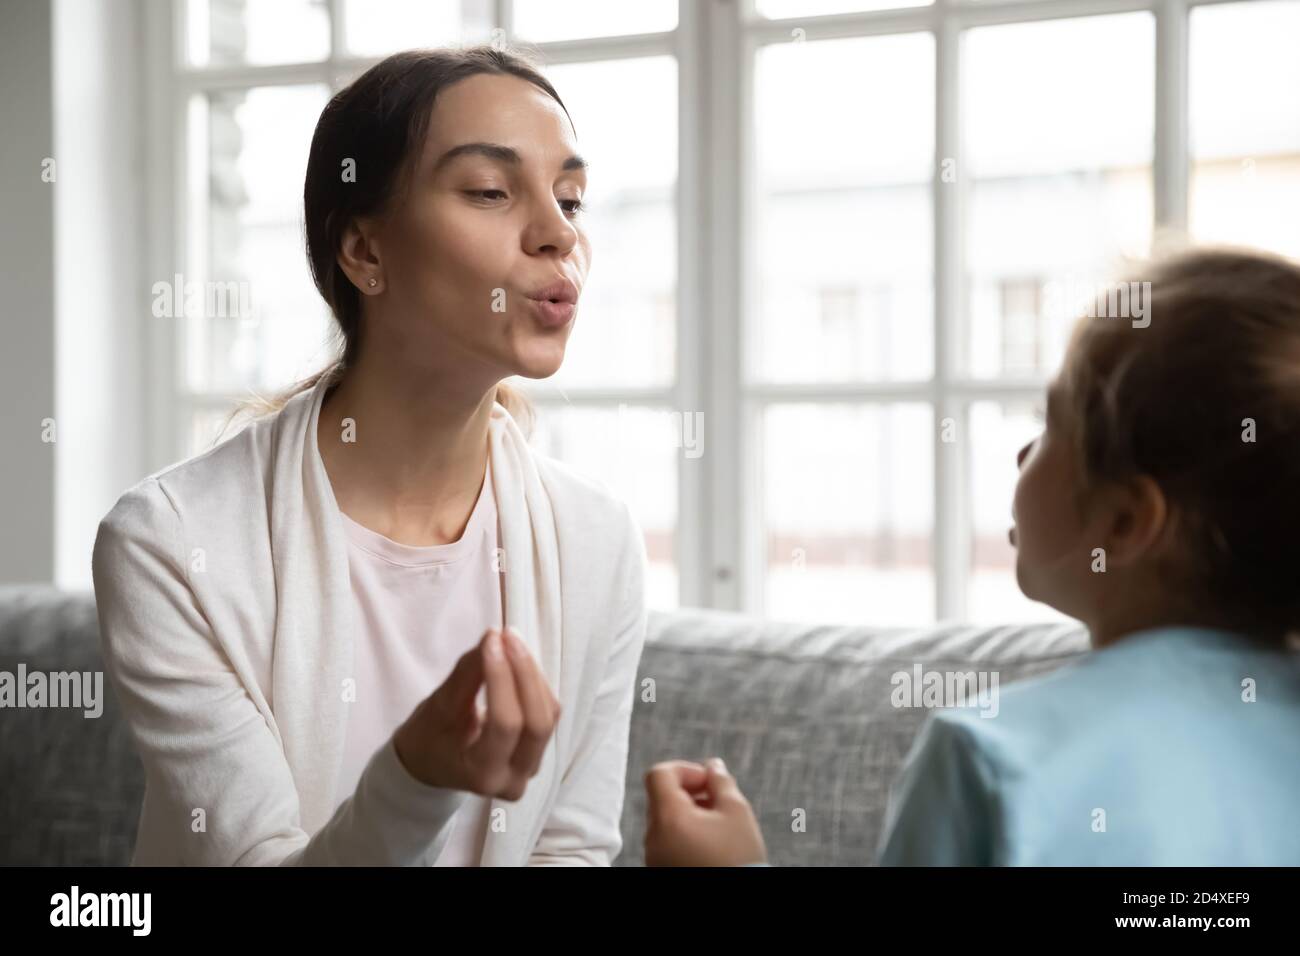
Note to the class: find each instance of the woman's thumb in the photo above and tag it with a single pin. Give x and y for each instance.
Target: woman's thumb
(463, 683)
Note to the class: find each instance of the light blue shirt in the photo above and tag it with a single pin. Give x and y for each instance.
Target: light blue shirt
(1172, 747)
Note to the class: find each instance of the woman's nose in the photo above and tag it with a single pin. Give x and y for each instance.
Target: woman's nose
(550, 232)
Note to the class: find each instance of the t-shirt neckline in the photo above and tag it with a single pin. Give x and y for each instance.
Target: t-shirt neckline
(409, 555)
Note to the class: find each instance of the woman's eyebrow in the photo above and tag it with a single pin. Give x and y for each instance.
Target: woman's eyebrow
(501, 154)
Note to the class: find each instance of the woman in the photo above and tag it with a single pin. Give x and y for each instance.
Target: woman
(292, 619)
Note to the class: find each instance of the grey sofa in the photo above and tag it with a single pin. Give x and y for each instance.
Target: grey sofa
(802, 714)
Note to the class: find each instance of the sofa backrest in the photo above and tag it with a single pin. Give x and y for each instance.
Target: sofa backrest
(801, 714)
(72, 785)
(803, 717)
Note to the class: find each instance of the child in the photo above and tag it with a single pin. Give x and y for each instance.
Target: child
(1171, 452)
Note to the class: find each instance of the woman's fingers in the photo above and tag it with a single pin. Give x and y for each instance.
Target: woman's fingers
(512, 733)
(457, 698)
(526, 667)
(504, 718)
(535, 703)
(462, 684)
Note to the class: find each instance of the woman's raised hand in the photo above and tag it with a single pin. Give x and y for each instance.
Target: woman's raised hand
(450, 741)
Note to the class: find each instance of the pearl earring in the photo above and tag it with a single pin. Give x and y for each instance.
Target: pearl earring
(372, 282)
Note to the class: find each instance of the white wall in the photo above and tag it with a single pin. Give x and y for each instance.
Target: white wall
(101, 292)
(70, 267)
(27, 380)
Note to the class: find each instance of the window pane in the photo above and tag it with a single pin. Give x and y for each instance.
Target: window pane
(997, 433)
(256, 320)
(380, 27)
(1244, 101)
(781, 9)
(844, 247)
(847, 493)
(626, 327)
(541, 21)
(634, 451)
(222, 32)
(1059, 159)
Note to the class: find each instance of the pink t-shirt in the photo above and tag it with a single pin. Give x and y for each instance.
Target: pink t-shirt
(420, 609)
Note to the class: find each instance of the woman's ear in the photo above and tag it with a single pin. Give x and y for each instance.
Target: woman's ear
(359, 256)
(1139, 517)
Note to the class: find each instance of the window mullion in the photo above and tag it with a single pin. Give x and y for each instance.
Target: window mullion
(693, 249)
(165, 164)
(338, 42)
(503, 17)
(951, 536)
(1172, 134)
(727, 563)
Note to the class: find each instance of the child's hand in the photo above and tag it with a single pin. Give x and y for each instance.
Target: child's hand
(697, 816)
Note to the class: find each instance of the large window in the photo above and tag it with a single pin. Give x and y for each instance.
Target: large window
(1245, 124)
(839, 245)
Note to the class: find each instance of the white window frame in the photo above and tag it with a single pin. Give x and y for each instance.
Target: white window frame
(720, 540)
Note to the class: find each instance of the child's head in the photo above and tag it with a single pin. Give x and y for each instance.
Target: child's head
(1173, 446)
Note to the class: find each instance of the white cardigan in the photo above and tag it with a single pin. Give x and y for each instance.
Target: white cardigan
(227, 621)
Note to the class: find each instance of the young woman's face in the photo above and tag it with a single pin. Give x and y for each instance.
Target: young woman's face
(488, 233)
(1053, 541)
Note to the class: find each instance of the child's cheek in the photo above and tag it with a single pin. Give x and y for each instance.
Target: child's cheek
(1033, 507)
(1034, 533)
(1022, 510)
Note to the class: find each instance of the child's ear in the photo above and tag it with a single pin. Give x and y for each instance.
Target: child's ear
(1139, 517)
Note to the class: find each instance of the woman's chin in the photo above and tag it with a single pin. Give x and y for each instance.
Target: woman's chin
(540, 362)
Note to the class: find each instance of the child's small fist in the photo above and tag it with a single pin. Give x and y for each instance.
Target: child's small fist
(697, 816)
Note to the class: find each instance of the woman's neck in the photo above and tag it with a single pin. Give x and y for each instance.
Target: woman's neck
(405, 453)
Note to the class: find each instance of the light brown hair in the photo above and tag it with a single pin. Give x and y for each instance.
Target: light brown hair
(1205, 400)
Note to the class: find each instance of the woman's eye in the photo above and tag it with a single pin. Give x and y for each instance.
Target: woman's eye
(489, 195)
(572, 207)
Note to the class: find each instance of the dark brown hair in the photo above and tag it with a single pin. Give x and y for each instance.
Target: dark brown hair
(1205, 400)
(379, 122)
